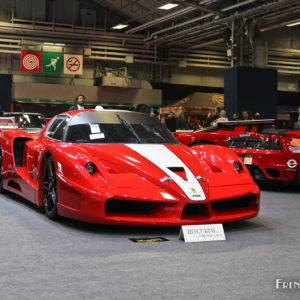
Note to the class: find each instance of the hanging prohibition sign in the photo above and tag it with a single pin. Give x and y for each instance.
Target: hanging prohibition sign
(73, 64)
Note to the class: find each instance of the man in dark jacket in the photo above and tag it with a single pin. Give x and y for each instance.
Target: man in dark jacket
(80, 99)
(180, 121)
(214, 117)
(171, 122)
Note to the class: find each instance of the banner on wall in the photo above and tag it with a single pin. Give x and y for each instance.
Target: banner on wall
(73, 64)
(52, 63)
(31, 61)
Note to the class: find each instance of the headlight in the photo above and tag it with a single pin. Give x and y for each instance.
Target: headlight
(90, 168)
(238, 166)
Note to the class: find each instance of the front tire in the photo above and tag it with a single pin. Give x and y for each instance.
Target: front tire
(297, 180)
(50, 195)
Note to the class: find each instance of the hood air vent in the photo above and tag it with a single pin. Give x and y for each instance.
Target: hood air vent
(179, 171)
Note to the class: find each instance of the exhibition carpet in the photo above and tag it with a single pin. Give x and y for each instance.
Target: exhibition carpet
(42, 259)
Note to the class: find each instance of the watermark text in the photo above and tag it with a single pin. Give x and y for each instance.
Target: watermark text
(287, 284)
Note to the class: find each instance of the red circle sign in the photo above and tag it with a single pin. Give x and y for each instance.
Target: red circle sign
(73, 64)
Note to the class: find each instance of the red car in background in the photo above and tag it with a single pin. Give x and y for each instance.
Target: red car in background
(220, 133)
(273, 154)
(26, 121)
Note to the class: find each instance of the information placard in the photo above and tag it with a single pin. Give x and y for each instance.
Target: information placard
(202, 233)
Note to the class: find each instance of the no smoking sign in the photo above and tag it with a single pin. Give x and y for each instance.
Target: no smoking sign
(73, 64)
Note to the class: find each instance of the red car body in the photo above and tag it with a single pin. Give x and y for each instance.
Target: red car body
(118, 167)
(272, 155)
(220, 133)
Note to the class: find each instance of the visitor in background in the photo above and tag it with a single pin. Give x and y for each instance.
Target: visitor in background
(223, 117)
(247, 115)
(235, 117)
(143, 108)
(212, 119)
(154, 114)
(163, 119)
(193, 123)
(79, 101)
(180, 121)
(257, 116)
(171, 121)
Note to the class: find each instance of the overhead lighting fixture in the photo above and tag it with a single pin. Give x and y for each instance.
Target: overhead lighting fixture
(168, 6)
(54, 44)
(293, 24)
(120, 26)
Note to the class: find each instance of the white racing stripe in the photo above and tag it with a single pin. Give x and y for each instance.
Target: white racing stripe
(162, 157)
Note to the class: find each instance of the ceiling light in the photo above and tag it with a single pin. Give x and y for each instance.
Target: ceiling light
(168, 6)
(293, 24)
(120, 26)
(54, 44)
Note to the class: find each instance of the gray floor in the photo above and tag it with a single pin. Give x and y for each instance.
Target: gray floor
(41, 259)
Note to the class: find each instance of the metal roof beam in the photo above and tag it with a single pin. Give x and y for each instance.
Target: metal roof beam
(198, 19)
(250, 12)
(202, 8)
(161, 19)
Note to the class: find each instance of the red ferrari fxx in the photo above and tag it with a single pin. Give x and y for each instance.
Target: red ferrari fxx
(220, 133)
(120, 167)
(272, 155)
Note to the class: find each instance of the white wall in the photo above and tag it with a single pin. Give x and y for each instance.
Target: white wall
(195, 76)
(46, 91)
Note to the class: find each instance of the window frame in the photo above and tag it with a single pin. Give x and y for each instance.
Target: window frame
(49, 134)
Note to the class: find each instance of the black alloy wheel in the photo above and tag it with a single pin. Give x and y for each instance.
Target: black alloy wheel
(50, 195)
(297, 180)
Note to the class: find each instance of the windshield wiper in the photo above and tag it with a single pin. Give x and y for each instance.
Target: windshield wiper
(129, 127)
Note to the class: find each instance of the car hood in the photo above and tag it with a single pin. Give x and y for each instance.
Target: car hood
(219, 162)
(165, 166)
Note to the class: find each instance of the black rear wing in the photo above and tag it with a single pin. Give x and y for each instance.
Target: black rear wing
(246, 122)
(258, 124)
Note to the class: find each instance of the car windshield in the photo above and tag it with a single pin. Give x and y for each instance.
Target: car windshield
(117, 127)
(26, 120)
